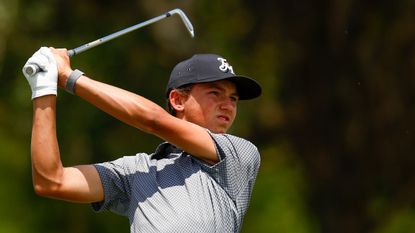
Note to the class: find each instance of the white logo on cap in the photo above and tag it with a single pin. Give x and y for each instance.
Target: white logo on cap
(224, 67)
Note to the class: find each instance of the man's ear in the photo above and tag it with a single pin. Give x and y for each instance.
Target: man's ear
(177, 100)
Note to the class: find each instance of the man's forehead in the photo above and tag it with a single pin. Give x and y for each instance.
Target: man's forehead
(220, 84)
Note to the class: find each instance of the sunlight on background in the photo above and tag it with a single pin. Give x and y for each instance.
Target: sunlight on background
(334, 126)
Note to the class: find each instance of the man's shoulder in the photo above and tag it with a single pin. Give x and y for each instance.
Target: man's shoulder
(232, 139)
(229, 145)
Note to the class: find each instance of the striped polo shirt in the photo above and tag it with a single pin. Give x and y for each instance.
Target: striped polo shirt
(173, 191)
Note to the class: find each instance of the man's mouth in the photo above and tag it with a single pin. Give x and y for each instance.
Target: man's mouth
(224, 118)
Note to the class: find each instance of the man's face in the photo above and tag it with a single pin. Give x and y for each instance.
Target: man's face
(212, 105)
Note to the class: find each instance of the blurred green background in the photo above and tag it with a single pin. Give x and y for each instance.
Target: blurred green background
(335, 123)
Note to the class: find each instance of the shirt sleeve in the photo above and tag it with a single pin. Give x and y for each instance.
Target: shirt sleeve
(238, 166)
(116, 178)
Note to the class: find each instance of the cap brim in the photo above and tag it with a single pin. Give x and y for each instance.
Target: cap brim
(247, 87)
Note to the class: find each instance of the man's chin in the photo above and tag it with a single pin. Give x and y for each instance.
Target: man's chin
(219, 130)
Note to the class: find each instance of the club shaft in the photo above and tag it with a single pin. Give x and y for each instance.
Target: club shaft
(114, 35)
(33, 69)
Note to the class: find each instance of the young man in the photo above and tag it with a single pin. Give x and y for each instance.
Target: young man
(199, 180)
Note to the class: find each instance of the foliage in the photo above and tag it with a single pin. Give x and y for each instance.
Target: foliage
(334, 125)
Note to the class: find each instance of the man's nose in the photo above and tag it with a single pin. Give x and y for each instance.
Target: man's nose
(228, 104)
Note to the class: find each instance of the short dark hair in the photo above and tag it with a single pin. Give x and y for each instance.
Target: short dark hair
(184, 90)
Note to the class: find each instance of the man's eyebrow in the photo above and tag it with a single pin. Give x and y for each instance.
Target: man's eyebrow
(216, 86)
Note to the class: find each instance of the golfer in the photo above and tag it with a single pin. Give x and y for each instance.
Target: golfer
(199, 180)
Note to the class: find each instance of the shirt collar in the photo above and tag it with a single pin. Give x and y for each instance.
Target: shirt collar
(165, 150)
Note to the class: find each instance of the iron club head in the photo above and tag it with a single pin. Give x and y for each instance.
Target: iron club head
(184, 18)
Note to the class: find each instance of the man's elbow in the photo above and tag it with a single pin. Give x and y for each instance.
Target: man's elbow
(46, 188)
(41, 190)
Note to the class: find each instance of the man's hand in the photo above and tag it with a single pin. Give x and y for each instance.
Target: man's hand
(43, 82)
(64, 65)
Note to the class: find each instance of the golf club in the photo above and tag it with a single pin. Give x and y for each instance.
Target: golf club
(33, 69)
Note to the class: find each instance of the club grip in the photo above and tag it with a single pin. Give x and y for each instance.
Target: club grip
(71, 52)
(32, 69)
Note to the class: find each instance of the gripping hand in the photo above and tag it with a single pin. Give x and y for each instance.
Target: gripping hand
(45, 81)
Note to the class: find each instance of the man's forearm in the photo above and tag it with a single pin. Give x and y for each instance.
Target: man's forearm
(126, 106)
(46, 162)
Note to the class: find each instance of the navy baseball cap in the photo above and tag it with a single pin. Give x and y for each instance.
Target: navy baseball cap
(202, 68)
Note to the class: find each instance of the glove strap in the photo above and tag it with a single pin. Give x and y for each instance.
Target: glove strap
(70, 83)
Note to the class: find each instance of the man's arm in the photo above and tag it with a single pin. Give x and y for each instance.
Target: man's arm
(149, 117)
(50, 178)
(140, 112)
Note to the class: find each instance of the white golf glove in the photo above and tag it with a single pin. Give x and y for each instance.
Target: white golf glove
(44, 82)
